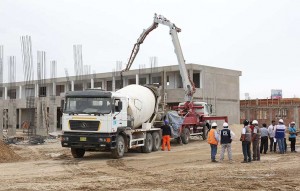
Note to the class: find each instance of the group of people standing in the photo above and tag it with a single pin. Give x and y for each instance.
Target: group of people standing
(253, 136)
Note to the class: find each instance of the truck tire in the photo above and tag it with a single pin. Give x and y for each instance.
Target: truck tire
(77, 152)
(185, 136)
(156, 141)
(119, 151)
(147, 148)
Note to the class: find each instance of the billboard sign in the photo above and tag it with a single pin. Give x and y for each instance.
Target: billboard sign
(276, 94)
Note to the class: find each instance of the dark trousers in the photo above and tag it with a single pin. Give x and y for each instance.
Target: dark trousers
(246, 150)
(264, 144)
(213, 151)
(272, 144)
(293, 143)
(285, 145)
(255, 150)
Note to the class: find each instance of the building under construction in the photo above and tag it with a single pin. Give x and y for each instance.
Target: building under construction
(266, 110)
(36, 103)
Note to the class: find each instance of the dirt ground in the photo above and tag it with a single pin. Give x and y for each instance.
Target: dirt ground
(185, 167)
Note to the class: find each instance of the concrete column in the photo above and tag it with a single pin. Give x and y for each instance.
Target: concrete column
(20, 92)
(137, 79)
(164, 79)
(12, 119)
(296, 116)
(113, 83)
(36, 92)
(92, 83)
(54, 89)
(20, 118)
(1, 120)
(124, 81)
(147, 79)
(72, 85)
(5, 93)
(52, 116)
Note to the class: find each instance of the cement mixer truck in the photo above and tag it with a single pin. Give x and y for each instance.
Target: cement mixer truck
(98, 120)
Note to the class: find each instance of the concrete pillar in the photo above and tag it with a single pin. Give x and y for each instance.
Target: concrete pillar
(1, 120)
(124, 81)
(296, 116)
(113, 83)
(147, 79)
(20, 92)
(41, 109)
(92, 83)
(36, 92)
(12, 119)
(72, 85)
(52, 116)
(164, 79)
(54, 89)
(20, 118)
(137, 79)
(5, 93)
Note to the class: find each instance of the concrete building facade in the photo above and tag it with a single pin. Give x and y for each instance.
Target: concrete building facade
(266, 110)
(39, 103)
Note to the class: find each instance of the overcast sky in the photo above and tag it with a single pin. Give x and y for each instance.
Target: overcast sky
(261, 38)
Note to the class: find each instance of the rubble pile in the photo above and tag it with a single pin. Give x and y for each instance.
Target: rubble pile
(7, 154)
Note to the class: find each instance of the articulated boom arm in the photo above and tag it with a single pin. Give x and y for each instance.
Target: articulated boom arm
(188, 85)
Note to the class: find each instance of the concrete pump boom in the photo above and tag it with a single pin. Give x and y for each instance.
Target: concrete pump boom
(188, 85)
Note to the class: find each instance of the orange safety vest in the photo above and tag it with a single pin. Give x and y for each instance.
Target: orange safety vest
(211, 137)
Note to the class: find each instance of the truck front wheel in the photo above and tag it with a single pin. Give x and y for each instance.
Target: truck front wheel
(148, 145)
(119, 151)
(156, 141)
(77, 152)
(185, 136)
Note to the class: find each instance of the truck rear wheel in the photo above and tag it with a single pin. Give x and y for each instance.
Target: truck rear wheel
(147, 148)
(156, 141)
(77, 152)
(119, 151)
(185, 136)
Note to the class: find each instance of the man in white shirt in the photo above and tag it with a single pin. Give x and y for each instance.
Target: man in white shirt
(271, 131)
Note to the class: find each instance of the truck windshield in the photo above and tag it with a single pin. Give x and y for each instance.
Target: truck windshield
(88, 105)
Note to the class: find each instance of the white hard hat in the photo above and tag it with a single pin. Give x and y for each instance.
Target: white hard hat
(255, 122)
(214, 124)
(280, 121)
(293, 122)
(225, 124)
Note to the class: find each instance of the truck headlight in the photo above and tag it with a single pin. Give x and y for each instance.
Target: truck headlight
(65, 139)
(101, 139)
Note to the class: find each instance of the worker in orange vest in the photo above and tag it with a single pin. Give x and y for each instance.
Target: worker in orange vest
(166, 135)
(213, 140)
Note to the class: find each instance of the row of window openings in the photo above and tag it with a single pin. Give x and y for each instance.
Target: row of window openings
(263, 114)
(12, 94)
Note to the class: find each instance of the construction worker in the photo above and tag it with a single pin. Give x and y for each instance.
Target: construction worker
(255, 141)
(213, 140)
(246, 141)
(166, 135)
(293, 135)
(264, 139)
(279, 135)
(226, 138)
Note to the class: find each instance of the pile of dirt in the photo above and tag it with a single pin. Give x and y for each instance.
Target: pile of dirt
(7, 154)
